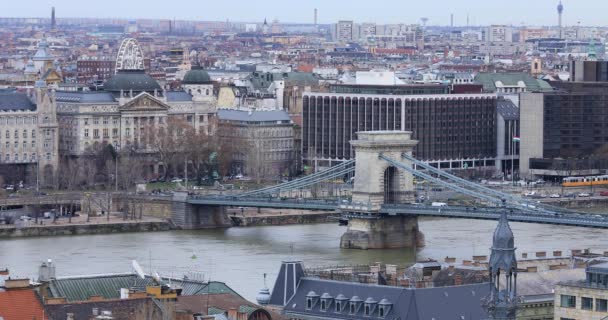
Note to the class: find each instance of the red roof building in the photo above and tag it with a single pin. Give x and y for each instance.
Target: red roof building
(20, 302)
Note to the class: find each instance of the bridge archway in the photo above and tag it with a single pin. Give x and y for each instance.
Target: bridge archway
(377, 181)
(391, 185)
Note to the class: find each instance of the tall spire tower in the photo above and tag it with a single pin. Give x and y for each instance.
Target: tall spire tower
(502, 301)
(53, 21)
(560, 11)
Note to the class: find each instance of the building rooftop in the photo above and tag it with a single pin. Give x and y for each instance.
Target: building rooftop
(457, 302)
(489, 80)
(173, 96)
(20, 304)
(11, 100)
(197, 76)
(254, 116)
(84, 97)
(108, 286)
(127, 80)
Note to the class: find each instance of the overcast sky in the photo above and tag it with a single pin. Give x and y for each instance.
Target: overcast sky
(481, 12)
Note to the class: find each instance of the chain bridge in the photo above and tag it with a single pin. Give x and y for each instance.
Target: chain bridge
(375, 193)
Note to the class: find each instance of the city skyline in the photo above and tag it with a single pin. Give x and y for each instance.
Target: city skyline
(522, 12)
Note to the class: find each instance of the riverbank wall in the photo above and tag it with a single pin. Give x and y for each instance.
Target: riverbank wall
(83, 229)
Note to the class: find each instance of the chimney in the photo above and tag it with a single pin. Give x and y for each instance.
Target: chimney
(557, 253)
(46, 271)
(458, 280)
(69, 316)
(17, 283)
(524, 255)
(95, 311)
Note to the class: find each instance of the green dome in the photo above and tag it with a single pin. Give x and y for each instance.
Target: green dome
(136, 80)
(197, 76)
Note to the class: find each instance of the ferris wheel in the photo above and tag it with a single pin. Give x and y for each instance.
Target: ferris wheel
(130, 56)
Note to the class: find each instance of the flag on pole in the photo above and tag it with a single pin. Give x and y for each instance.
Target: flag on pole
(516, 139)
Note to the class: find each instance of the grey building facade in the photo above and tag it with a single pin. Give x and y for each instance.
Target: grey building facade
(564, 131)
(268, 142)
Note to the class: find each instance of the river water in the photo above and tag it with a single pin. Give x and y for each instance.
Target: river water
(240, 256)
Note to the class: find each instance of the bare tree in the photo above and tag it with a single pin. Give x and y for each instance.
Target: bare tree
(167, 141)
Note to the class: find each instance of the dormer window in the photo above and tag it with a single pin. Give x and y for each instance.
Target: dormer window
(370, 306)
(311, 300)
(355, 304)
(341, 302)
(326, 300)
(384, 307)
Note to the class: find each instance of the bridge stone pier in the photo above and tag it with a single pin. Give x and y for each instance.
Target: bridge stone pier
(378, 183)
(188, 216)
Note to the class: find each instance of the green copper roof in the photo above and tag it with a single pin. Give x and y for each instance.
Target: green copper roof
(108, 286)
(213, 310)
(196, 76)
(488, 80)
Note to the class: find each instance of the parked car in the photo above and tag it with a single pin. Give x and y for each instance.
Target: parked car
(554, 196)
(584, 195)
(175, 180)
(530, 194)
(25, 218)
(604, 193)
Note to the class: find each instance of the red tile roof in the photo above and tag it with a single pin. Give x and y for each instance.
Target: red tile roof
(20, 304)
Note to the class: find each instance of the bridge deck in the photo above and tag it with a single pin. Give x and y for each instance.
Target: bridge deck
(578, 220)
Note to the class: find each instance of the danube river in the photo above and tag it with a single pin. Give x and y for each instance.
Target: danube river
(240, 256)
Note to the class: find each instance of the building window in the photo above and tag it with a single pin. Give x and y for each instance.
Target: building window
(115, 121)
(568, 301)
(601, 305)
(86, 133)
(33, 134)
(24, 133)
(95, 133)
(8, 134)
(352, 308)
(323, 305)
(367, 310)
(309, 303)
(33, 144)
(86, 121)
(24, 144)
(16, 134)
(586, 303)
(95, 120)
(114, 132)
(128, 132)
(105, 120)
(48, 156)
(106, 133)
(338, 306)
(381, 312)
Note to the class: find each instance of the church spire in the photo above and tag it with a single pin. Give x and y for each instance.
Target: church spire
(502, 301)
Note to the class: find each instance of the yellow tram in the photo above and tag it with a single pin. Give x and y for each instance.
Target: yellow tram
(585, 181)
